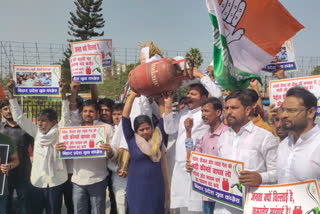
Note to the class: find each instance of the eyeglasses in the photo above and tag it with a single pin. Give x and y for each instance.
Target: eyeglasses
(291, 110)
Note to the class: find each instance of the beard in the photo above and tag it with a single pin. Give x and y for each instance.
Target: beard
(289, 125)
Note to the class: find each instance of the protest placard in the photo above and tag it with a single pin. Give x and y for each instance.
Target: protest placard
(82, 142)
(86, 68)
(4, 153)
(217, 178)
(36, 80)
(285, 58)
(99, 46)
(279, 88)
(294, 198)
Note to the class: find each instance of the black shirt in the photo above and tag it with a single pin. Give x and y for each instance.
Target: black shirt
(21, 140)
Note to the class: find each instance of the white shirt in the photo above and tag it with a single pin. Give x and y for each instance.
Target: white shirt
(38, 177)
(88, 171)
(254, 146)
(182, 194)
(299, 161)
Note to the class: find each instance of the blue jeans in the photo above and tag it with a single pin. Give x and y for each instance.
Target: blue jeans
(96, 193)
(208, 207)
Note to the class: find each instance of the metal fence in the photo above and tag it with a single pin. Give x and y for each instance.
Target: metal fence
(32, 110)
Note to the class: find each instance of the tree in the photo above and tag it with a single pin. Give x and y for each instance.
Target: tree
(195, 55)
(316, 71)
(83, 25)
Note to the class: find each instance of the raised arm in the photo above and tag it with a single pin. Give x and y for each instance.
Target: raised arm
(94, 92)
(18, 115)
(127, 107)
(74, 87)
(211, 87)
(171, 122)
(65, 113)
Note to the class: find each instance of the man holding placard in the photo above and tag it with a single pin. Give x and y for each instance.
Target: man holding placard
(13, 161)
(89, 174)
(248, 143)
(298, 154)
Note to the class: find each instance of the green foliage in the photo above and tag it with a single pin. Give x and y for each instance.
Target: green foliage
(181, 92)
(115, 85)
(316, 71)
(195, 55)
(4, 81)
(87, 18)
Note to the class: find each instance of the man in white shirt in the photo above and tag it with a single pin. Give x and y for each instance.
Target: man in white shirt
(182, 195)
(245, 142)
(298, 154)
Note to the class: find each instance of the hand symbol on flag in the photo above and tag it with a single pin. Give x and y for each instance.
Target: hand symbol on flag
(232, 11)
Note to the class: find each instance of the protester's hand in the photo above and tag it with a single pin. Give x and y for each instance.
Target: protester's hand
(122, 173)
(74, 86)
(5, 168)
(249, 178)
(10, 86)
(272, 112)
(107, 147)
(210, 72)
(167, 97)
(197, 73)
(60, 146)
(188, 124)
(254, 83)
(63, 88)
(279, 72)
(189, 166)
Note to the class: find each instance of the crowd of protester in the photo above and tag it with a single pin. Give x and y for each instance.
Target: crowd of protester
(278, 147)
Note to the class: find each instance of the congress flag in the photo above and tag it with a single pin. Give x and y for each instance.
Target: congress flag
(247, 34)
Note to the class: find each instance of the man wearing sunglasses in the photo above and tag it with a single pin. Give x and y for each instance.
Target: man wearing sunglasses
(298, 154)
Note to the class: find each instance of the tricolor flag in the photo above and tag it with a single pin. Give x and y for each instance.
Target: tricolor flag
(247, 34)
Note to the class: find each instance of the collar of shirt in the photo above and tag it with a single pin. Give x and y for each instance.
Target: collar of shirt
(7, 125)
(303, 138)
(248, 127)
(218, 131)
(194, 110)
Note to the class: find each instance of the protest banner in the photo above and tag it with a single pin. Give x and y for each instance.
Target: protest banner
(36, 80)
(86, 68)
(4, 153)
(217, 178)
(285, 58)
(294, 198)
(99, 46)
(82, 142)
(279, 88)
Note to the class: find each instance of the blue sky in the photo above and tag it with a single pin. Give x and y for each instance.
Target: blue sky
(171, 24)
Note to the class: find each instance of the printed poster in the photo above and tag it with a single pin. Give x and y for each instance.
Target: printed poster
(285, 58)
(4, 153)
(217, 178)
(100, 46)
(82, 142)
(294, 198)
(36, 80)
(279, 88)
(86, 68)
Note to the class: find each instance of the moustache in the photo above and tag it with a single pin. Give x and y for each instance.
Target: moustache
(204, 118)
(229, 116)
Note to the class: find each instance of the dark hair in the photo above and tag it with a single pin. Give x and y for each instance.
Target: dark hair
(245, 100)
(252, 93)
(49, 113)
(140, 120)
(118, 107)
(107, 102)
(4, 103)
(216, 103)
(309, 100)
(79, 101)
(89, 103)
(203, 90)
